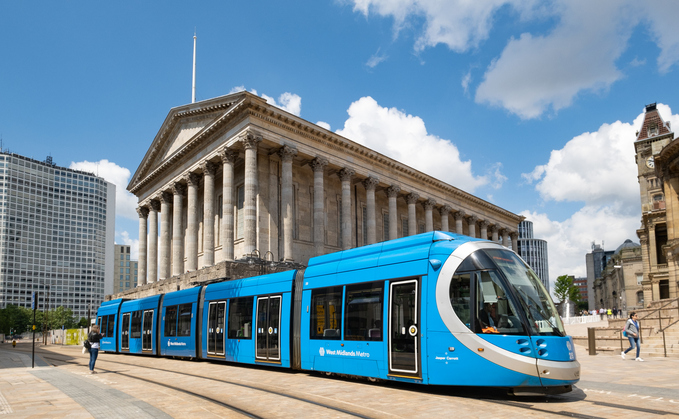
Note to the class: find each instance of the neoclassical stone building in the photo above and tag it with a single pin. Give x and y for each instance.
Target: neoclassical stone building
(234, 176)
(657, 157)
(620, 285)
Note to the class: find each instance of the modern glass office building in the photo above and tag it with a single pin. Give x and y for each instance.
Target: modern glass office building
(56, 235)
(533, 251)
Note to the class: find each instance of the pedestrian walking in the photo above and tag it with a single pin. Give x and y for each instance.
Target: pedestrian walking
(615, 313)
(94, 337)
(632, 330)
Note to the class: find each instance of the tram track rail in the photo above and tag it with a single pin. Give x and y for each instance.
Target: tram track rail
(47, 355)
(528, 404)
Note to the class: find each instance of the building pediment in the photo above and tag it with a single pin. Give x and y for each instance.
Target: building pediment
(183, 128)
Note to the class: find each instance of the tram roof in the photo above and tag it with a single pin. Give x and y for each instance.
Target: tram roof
(401, 250)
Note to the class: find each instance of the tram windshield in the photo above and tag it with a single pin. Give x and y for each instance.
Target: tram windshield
(542, 314)
(492, 287)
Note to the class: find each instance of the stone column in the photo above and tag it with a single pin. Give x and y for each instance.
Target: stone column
(392, 193)
(445, 210)
(318, 165)
(228, 159)
(471, 220)
(484, 229)
(179, 190)
(411, 199)
(494, 230)
(209, 170)
(193, 180)
(250, 142)
(515, 241)
(505, 237)
(459, 218)
(152, 274)
(287, 153)
(429, 205)
(345, 175)
(141, 265)
(165, 227)
(370, 184)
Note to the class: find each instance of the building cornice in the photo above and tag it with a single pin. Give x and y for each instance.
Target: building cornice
(244, 105)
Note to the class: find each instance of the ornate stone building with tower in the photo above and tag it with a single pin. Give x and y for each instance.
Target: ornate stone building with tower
(657, 158)
(234, 176)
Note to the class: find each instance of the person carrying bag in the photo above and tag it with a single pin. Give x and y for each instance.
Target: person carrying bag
(93, 339)
(632, 332)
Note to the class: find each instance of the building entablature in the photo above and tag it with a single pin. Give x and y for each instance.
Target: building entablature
(237, 115)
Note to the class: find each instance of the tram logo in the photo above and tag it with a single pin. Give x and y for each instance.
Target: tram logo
(321, 351)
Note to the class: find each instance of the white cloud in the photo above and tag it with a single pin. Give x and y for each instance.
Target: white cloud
(124, 237)
(459, 24)
(405, 138)
(375, 59)
(289, 102)
(323, 125)
(466, 79)
(538, 73)
(126, 203)
(598, 170)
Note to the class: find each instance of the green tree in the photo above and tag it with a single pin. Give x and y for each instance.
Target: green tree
(564, 287)
(82, 322)
(16, 318)
(59, 317)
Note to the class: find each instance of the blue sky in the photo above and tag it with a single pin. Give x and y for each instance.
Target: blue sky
(530, 105)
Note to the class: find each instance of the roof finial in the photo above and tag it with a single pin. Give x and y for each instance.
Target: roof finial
(193, 89)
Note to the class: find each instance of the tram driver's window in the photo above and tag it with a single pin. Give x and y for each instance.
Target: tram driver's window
(326, 313)
(459, 297)
(240, 318)
(363, 311)
(494, 311)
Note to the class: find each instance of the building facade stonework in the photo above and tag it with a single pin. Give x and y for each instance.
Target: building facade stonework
(620, 283)
(656, 156)
(232, 177)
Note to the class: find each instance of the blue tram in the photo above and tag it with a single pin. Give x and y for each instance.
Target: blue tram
(435, 308)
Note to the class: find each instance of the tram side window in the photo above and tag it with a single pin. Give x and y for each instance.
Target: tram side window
(136, 325)
(460, 297)
(363, 311)
(240, 318)
(102, 326)
(111, 325)
(495, 312)
(171, 321)
(326, 313)
(184, 320)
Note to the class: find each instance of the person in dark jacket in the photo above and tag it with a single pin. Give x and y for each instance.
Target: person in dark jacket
(94, 337)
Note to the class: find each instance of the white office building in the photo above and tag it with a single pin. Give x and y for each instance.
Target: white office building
(56, 235)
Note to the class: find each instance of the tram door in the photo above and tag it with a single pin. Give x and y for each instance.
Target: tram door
(125, 333)
(404, 333)
(215, 328)
(147, 329)
(268, 328)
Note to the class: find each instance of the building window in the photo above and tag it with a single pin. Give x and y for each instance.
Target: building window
(640, 298)
(640, 278)
(404, 227)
